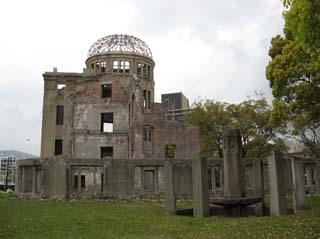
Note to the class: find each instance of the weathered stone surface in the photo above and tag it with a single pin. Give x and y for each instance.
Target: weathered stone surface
(200, 188)
(299, 197)
(234, 185)
(170, 199)
(278, 201)
(258, 186)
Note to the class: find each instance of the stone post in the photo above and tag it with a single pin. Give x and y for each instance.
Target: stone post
(169, 196)
(278, 201)
(299, 197)
(309, 175)
(258, 187)
(34, 180)
(234, 184)
(233, 171)
(79, 184)
(317, 176)
(18, 176)
(200, 188)
(213, 180)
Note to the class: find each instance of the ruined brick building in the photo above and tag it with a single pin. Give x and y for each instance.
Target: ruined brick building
(102, 133)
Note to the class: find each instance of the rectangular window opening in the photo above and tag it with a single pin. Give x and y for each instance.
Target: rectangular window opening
(127, 66)
(58, 147)
(107, 122)
(170, 150)
(121, 67)
(59, 115)
(102, 182)
(144, 98)
(83, 181)
(149, 71)
(115, 66)
(149, 100)
(139, 68)
(60, 89)
(103, 66)
(106, 90)
(75, 181)
(106, 152)
(144, 70)
(147, 133)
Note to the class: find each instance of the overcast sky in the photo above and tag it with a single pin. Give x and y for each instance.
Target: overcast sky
(204, 48)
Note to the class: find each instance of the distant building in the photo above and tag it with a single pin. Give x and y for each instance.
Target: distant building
(7, 171)
(175, 106)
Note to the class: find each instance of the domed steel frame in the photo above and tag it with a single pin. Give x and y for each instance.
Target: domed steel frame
(120, 43)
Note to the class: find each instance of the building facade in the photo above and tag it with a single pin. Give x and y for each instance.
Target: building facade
(102, 133)
(7, 172)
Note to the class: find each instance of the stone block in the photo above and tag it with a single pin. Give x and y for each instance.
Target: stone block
(200, 188)
(169, 195)
(278, 201)
(299, 196)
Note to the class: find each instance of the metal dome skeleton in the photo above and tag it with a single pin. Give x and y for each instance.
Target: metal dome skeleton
(120, 43)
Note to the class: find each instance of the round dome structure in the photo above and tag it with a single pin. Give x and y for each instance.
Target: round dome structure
(119, 43)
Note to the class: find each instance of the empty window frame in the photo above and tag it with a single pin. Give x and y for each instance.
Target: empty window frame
(148, 72)
(83, 181)
(59, 115)
(103, 66)
(106, 152)
(121, 66)
(106, 90)
(60, 89)
(102, 182)
(144, 70)
(127, 67)
(107, 122)
(147, 133)
(139, 68)
(147, 99)
(75, 181)
(58, 147)
(115, 66)
(170, 151)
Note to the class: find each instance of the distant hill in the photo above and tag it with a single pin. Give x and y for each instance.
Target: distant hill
(16, 154)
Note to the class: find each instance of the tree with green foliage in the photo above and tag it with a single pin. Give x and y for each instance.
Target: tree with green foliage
(294, 73)
(251, 117)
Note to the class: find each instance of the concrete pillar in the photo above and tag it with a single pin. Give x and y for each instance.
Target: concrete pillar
(258, 187)
(18, 180)
(169, 196)
(34, 180)
(79, 183)
(221, 178)
(278, 201)
(317, 177)
(234, 184)
(309, 175)
(213, 180)
(200, 188)
(299, 196)
(23, 179)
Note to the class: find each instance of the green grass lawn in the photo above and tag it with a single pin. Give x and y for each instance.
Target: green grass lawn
(48, 219)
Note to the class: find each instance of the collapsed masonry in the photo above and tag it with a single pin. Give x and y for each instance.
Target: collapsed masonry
(102, 133)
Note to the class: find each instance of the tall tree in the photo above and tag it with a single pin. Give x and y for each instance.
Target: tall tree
(294, 73)
(251, 117)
